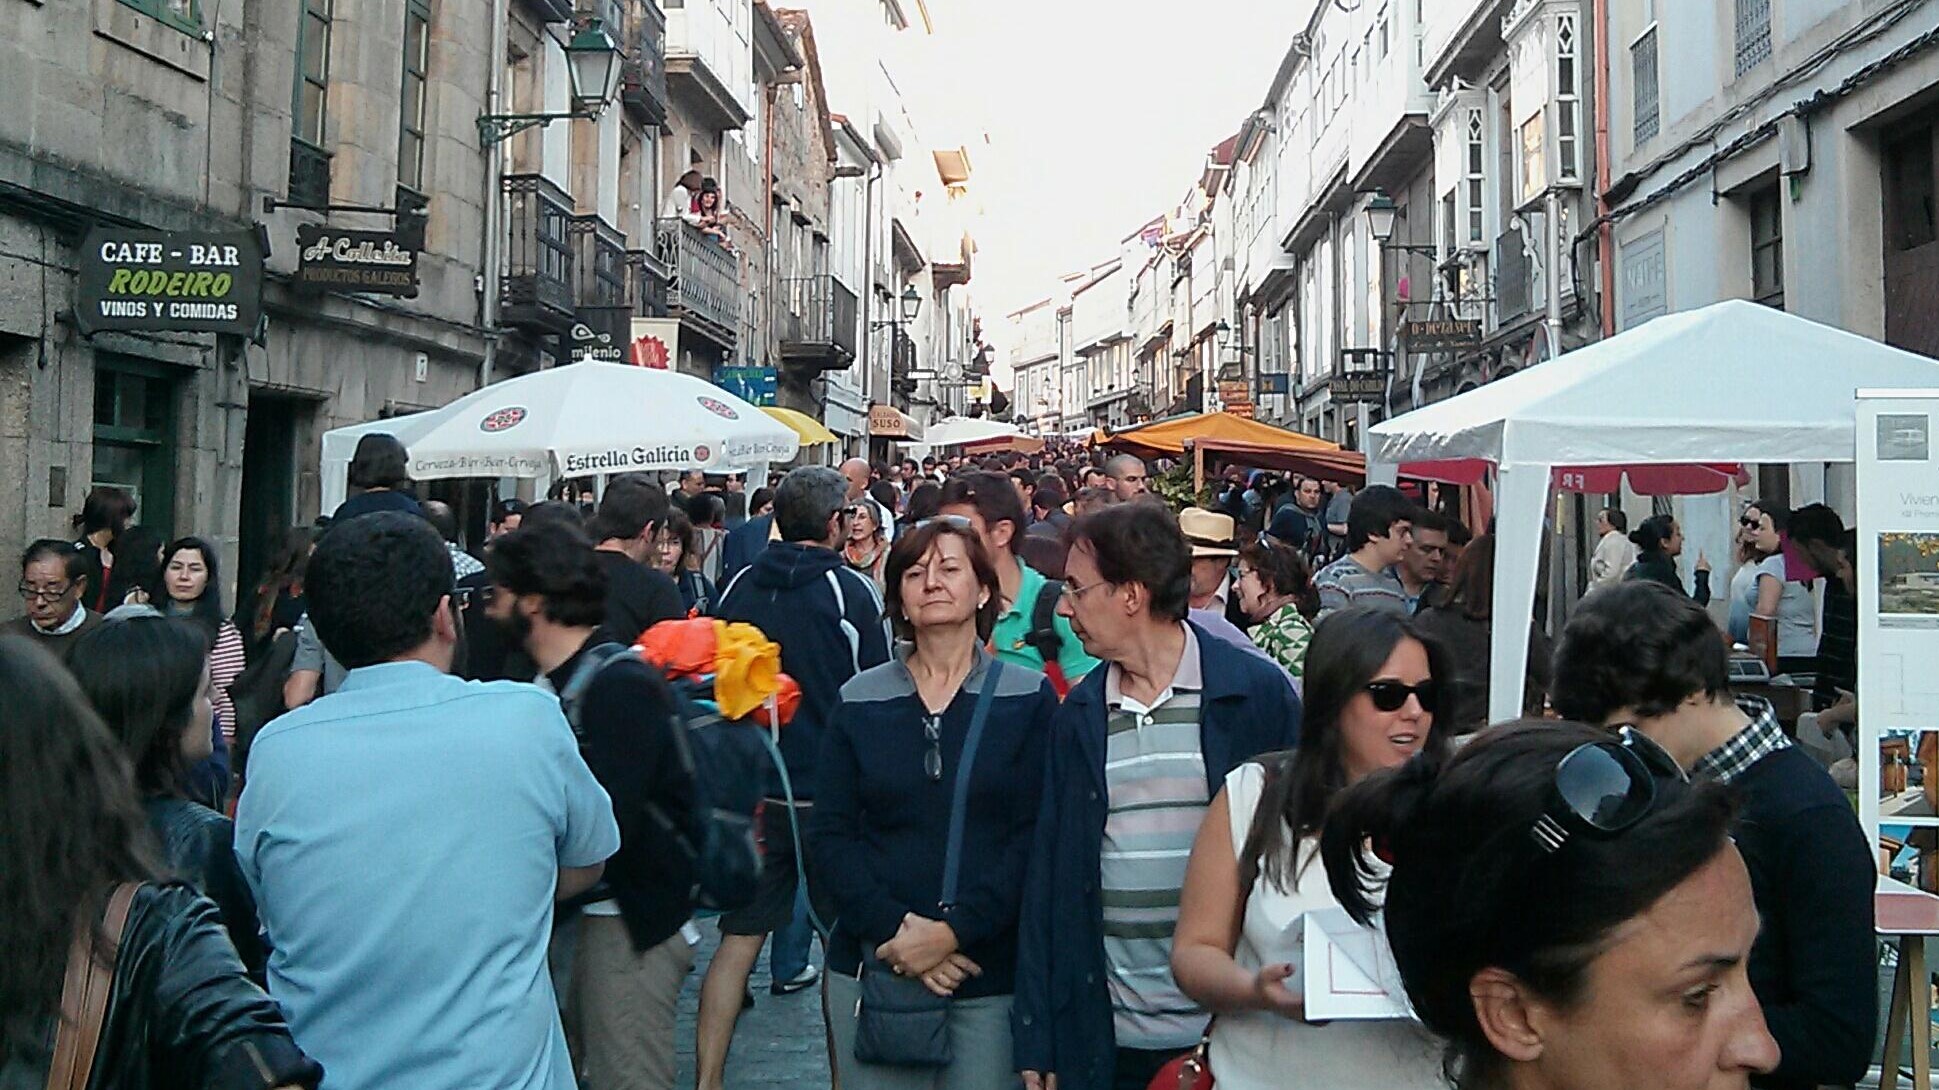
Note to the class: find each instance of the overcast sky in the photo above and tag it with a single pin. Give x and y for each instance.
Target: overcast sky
(1099, 115)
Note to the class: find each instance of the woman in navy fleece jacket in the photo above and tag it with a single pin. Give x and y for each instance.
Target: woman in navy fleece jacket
(886, 776)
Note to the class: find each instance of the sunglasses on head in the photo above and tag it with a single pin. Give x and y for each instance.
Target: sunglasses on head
(1391, 696)
(1603, 788)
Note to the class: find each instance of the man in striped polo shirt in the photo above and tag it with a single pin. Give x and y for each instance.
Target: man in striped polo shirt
(1135, 752)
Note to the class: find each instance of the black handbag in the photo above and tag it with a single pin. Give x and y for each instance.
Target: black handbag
(900, 1021)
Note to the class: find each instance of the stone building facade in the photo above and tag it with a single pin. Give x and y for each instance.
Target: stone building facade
(186, 115)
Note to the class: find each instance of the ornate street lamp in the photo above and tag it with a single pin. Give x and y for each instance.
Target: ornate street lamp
(593, 64)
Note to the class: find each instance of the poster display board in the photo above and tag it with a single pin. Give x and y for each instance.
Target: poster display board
(1898, 609)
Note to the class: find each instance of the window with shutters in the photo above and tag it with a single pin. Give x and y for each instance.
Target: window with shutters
(1753, 34)
(1475, 179)
(1643, 87)
(1568, 102)
(411, 95)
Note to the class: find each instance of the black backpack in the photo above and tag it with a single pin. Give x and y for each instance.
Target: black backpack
(727, 761)
(1043, 638)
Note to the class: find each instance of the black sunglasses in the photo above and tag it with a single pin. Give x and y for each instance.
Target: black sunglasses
(932, 761)
(1603, 788)
(1391, 696)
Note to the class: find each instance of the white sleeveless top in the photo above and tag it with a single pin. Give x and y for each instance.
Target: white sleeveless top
(1259, 1050)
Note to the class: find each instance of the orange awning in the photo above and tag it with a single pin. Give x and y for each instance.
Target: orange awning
(1167, 438)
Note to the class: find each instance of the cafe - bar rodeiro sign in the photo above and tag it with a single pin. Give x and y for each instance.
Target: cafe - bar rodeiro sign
(132, 279)
(331, 259)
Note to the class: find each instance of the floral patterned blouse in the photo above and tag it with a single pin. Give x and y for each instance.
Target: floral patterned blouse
(1284, 636)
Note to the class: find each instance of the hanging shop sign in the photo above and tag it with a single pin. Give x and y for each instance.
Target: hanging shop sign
(655, 344)
(137, 280)
(754, 385)
(1235, 396)
(599, 334)
(1278, 382)
(330, 259)
(1440, 335)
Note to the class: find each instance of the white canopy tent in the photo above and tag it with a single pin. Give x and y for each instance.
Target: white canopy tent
(580, 420)
(1731, 382)
(956, 431)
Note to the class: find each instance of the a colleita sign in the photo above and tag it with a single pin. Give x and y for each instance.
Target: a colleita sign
(170, 281)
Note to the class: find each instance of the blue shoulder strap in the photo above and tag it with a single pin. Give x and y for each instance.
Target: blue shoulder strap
(953, 854)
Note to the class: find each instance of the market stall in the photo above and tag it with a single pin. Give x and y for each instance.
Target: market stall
(1168, 438)
(1732, 383)
(581, 420)
(977, 435)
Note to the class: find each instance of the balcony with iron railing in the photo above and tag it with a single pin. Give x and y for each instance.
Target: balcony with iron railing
(647, 277)
(643, 78)
(539, 266)
(816, 322)
(705, 290)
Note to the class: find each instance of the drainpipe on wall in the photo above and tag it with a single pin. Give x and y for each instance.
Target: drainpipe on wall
(489, 256)
(767, 227)
(1605, 231)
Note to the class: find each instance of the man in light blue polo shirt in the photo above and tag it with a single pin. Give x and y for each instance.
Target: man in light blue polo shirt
(406, 837)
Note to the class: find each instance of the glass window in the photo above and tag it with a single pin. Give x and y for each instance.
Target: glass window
(313, 71)
(1534, 178)
(1568, 103)
(183, 15)
(1643, 90)
(134, 434)
(411, 94)
(1753, 34)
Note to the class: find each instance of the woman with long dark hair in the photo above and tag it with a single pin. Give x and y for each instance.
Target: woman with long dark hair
(136, 577)
(1375, 696)
(1564, 909)
(148, 679)
(677, 557)
(278, 603)
(1659, 541)
(182, 1014)
(192, 582)
(104, 516)
(1463, 623)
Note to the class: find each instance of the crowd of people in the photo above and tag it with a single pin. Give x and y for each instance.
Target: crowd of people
(1068, 768)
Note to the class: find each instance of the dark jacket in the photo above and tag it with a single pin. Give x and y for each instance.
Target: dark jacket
(742, 544)
(182, 1015)
(1061, 1017)
(696, 590)
(1812, 878)
(1657, 567)
(381, 499)
(1468, 642)
(625, 730)
(199, 846)
(637, 597)
(786, 594)
(880, 827)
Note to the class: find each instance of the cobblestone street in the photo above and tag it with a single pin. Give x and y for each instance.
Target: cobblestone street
(778, 1043)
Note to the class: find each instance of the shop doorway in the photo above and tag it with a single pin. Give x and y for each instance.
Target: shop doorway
(268, 485)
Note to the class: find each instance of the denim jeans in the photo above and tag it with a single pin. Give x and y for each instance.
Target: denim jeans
(792, 945)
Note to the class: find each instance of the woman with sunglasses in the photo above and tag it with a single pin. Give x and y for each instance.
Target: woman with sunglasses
(892, 764)
(1373, 701)
(1777, 608)
(1276, 590)
(1565, 911)
(867, 548)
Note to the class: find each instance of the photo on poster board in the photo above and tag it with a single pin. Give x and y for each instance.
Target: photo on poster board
(1896, 550)
(1908, 578)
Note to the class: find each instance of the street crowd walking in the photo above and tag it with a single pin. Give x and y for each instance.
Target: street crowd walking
(1051, 758)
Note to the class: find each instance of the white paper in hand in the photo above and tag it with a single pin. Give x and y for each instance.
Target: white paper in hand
(1349, 971)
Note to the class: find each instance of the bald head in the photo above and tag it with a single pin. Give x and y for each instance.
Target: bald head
(856, 472)
(1128, 476)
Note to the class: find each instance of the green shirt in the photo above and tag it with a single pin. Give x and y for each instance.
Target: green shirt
(1284, 636)
(1013, 624)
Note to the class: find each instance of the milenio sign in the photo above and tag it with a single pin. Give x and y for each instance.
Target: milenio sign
(332, 259)
(140, 280)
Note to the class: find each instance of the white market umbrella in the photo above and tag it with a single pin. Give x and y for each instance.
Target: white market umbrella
(956, 431)
(579, 420)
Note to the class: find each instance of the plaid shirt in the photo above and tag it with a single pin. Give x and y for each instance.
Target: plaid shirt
(1758, 740)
